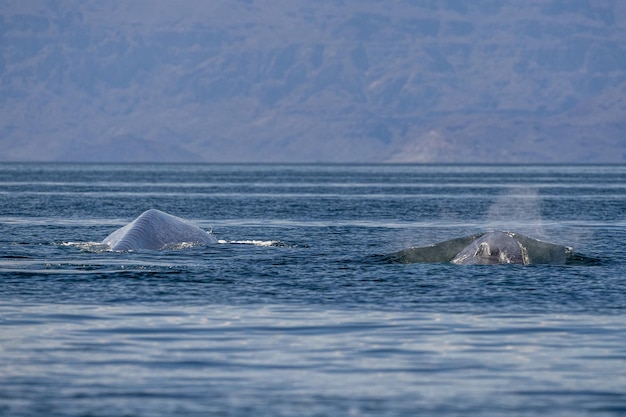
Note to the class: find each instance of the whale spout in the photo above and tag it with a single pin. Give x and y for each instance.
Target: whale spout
(154, 229)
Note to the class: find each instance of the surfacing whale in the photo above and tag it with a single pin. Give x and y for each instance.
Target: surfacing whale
(154, 229)
(491, 248)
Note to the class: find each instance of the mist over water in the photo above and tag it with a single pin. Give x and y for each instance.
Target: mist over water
(291, 313)
(518, 208)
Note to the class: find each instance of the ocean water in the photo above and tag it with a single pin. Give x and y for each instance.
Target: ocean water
(295, 311)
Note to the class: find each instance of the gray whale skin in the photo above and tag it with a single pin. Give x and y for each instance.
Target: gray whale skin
(491, 248)
(154, 229)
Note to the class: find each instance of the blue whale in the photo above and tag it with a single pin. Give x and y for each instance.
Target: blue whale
(492, 248)
(155, 230)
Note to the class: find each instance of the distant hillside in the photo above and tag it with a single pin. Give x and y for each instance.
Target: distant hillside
(306, 81)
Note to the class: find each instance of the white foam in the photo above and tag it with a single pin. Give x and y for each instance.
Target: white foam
(89, 246)
(251, 242)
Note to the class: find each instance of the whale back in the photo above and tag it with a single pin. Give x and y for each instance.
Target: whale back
(540, 252)
(440, 252)
(154, 229)
(493, 248)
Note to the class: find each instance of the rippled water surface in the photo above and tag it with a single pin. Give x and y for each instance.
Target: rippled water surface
(295, 311)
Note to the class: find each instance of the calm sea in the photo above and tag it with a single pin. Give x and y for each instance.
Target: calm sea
(293, 313)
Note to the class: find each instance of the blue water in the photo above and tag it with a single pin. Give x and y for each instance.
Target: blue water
(295, 312)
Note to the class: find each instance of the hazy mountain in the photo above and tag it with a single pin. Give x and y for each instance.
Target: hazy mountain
(296, 80)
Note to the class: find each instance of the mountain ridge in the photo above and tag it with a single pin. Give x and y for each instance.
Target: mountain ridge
(337, 81)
